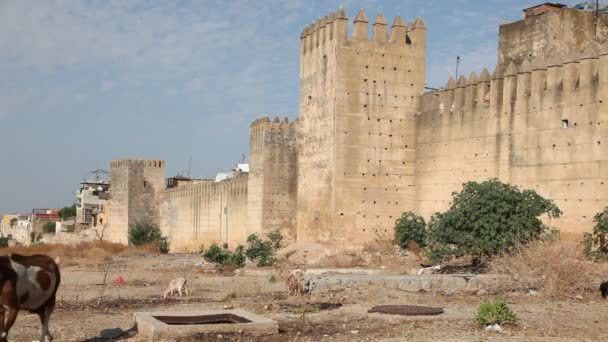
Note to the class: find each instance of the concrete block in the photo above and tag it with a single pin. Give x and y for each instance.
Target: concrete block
(152, 328)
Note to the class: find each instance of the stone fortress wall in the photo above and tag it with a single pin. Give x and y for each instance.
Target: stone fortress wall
(198, 214)
(369, 144)
(539, 121)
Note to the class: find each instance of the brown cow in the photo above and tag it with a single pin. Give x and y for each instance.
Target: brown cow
(30, 283)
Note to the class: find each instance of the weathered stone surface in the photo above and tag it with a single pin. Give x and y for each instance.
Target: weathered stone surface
(369, 143)
(440, 283)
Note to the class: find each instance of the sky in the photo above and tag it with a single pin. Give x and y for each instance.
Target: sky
(85, 82)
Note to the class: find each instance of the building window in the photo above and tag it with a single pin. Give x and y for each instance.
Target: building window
(565, 123)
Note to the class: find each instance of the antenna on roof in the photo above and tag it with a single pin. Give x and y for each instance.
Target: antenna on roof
(457, 65)
(97, 174)
(186, 173)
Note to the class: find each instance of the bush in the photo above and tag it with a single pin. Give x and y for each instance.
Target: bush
(143, 232)
(595, 245)
(3, 242)
(222, 256)
(70, 229)
(260, 250)
(496, 312)
(276, 238)
(237, 257)
(410, 228)
(487, 218)
(215, 254)
(163, 245)
(49, 227)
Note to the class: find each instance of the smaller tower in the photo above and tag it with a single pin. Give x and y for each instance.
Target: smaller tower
(134, 185)
(272, 182)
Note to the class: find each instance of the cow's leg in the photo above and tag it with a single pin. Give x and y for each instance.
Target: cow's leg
(10, 320)
(2, 333)
(45, 316)
(179, 290)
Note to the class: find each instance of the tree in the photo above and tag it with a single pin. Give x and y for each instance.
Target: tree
(67, 212)
(410, 228)
(487, 218)
(49, 227)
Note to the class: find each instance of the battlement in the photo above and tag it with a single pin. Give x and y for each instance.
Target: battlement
(128, 162)
(333, 28)
(507, 87)
(276, 122)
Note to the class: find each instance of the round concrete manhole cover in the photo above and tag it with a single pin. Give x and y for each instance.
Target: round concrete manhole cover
(406, 310)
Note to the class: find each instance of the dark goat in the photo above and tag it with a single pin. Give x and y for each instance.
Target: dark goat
(30, 283)
(604, 289)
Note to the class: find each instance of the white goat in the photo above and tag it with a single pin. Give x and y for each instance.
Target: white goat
(177, 284)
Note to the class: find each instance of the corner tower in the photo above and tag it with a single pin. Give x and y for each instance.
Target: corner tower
(356, 132)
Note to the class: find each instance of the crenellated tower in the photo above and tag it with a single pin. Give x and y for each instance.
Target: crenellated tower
(356, 132)
(272, 180)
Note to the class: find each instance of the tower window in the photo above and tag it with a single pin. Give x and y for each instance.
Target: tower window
(565, 123)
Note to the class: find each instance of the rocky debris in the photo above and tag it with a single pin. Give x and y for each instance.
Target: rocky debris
(406, 310)
(494, 327)
(113, 334)
(429, 270)
(314, 306)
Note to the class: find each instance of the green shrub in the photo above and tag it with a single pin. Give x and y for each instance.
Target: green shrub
(410, 228)
(222, 256)
(595, 245)
(276, 238)
(163, 245)
(494, 312)
(49, 227)
(143, 232)
(259, 250)
(215, 254)
(3, 242)
(488, 218)
(70, 229)
(237, 257)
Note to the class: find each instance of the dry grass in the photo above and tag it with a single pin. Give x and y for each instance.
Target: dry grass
(380, 252)
(558, 269)
(90, 252)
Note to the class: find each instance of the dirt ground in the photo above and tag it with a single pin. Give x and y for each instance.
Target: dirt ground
(81, 316)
